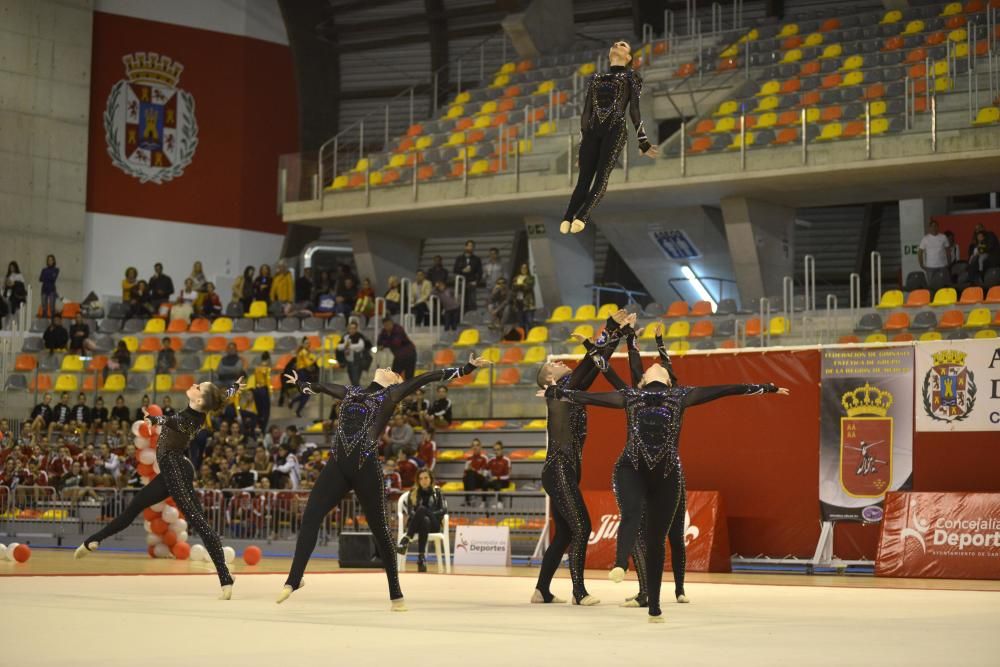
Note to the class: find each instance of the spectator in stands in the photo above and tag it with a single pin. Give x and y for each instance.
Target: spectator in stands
(166, 358)
(400, 437)
(425, 510)
(166, 404)
(119, 361)
(60, 415)
(261, 461)
(98, 416)
(161, 287)
(469, 266)
(451, 310)
(933, 253)
(304, 287)
(143, 406)
(391, 478)
(355, 351)
(346, 296)
(499, 303)
(437, 271)
(286, 470)
(243, 288)
(975, 233)
(79, 337)
(184, 306)
(392, 296)
(262, 284)
(407, 469)
(140, 301)
(492, 269)
(211, 304)
(305, 366)
(272, 438)
(232, 365)
(246, 477)
(954, 255)
(420, 294)
(48, 278)
(15, 291)
(120, 414)
(415, 410)
(283, 287)
(326, 301)
(984, 254)
(365, 301)
(427, 450)
(499, 467)
(524, 296)
(41, 414)
(441, 408)
(404, 353)
(80, 415)
(55, 337)
(129, 282)
(197, 277)
(476, 469)
(262, 390)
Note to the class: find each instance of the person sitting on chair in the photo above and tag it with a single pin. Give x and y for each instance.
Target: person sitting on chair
(425, 510)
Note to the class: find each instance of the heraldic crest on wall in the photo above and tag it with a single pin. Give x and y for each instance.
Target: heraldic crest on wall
(149, 123)
(949, 387)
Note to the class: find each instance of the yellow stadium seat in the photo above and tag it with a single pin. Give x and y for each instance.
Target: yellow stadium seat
(730, 52)
(951, 9)
(961, 50)
(482, 122)
(788, 30)
(164, 383)
(361, 165)
(315, 427)
(482, 378)
(507, 68)
(727, 124)
(986, 333)
(537, 334)
(680, 346)
(853, 79)
(524, 146)
(66, 382)
(451, 486)
(768, 119)
(987, 116)
(879, 125)
(958, 35)
(814, 39)
(578, 351)
(131, 343)
(978, 317)
(500, 80)
(853, 62)
(648, 333)
(946, 296)
(374, 178)
(778, 326)
(768, 103)
(339, 183)
(606, 311)
(727, 108)
(792, 56)
(331, 342)
(930, 336)
(114, 383)
(893, 16)
(470, 424)
(468, 337)
(537, 455)
(738, 141)
(536, 424)
(466, 153)
(771, 87)
(221, 325)
(456, 111)
(585, 313)
(561, 314)
(943, 84)
(545, 87)
(423, 143)
(830, 131)
(586, 69)
(210, 363)
(479, 167)
(144, 363)
(679, 329)
(891, 299)
(750, 36)
(585, 330)
(492, 353)
(398, 160)
(876, 338)
(71, 363)
(259, 308)
(263, 344)
(486, 108)
(535, 355)
(877, 108)
(940, 68)
(155, 325)
(812, 115)
(455, 139)
(914, 27)
(546, 128)
(462, 98)
(832, 51)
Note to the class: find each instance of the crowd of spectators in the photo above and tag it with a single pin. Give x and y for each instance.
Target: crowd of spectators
(940, 256)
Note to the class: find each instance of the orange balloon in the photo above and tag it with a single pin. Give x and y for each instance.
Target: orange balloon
(159, 526)
(181, 550)
(151, 551)
(22, 553)
(154, 410)
(170, 501)
(144, 430)
(154, 439)
(170, 538)
(149, 514)
(251, 555)
(146, 470)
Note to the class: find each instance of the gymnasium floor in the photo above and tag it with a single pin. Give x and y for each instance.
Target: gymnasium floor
(108, 610)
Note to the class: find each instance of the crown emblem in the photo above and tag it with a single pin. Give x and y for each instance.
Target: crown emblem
(949, 358)
(867, 400)
(152, 68)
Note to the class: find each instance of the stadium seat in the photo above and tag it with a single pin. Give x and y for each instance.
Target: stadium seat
(891, 299)
(902, 338)
(930, 336)
(993, 296)
(491, 354)
(876, 338)
(701, 309)
(467, 338)
(951, 319)
(897, 322)
(869, 322)
(97, 363)
(585, 330)
(150, 344)
(971, 296)
(183, 382)
(753, 327)
(987, 116)
(508, 377)
(679, 346)
(66, 382)
(727, 108)
(778, 326)
(216, 344)
(154, 326)
(678, 309)
(679, 329)
(221, 325)
(512, 355)
(25, 363)
(114, 383)
(918, 298)
(144, 363)
(242, 343)
(131, 343)
(702, 329)
(200, 325)
(444, 358)
(263, 344)
(606, 311)
(71, 363)
(258, 308)
(978, 317)
(538, 334)
(535, 355)
(561, 314)
(585, 313)
(946, 296)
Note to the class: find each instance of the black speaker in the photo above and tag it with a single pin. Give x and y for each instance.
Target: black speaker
(358, 550)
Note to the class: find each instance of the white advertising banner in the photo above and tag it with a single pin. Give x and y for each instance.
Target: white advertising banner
(957, 385)
(482, 545)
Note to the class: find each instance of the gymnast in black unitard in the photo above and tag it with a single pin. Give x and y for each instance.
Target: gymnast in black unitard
(567, 431)
(602, 124)
(649, 467)
(364, 413)
(176, 478)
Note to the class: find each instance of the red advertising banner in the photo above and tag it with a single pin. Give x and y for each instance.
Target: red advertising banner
(940, 535)
(705, 532)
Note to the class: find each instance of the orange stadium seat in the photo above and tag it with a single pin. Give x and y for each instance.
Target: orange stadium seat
(177, 326)
(445, 357)
(897, 322)
(24, 363)
(200, 325)
(678, 309)
(971, 296)
(216, 344)
(951, 319)
(918, 298)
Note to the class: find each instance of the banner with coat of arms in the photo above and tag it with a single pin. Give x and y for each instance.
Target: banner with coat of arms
(866, 430)
(957, 385)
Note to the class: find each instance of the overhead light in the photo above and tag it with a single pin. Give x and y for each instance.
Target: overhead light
(698, 286)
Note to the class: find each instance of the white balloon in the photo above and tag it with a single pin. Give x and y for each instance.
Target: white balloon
(182, 537)
(147, 525)
(158, 507)
(170, 514)
(147, 456)
(162, 551)
(3, 552)
(141, 443)
(144, 480)
(152, 539)
(230, 554)
(198, 552)
(9, 555)
(156, 467)
(179, 526)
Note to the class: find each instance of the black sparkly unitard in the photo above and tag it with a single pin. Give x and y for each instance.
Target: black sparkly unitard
(609, 95)
(567, 431)
(354, 465)
(176, 480)
(649, 469)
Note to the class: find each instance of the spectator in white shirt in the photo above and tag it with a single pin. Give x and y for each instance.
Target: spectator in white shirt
(287, 467)
(492, 269)
(420, 294)
(934, 252)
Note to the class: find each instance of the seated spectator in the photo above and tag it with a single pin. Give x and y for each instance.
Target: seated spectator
(393, 296)
(15, 290)
(197, 277)
(365, 301)
(326, 301)
(80, 417)
(167, 405)
(184, 306)
(140, 301)
(476, 469)
(400, 437)
(407, 469)
(425, 510)
(441, 408)
(283, 286)
(427, 450)
(420, 294)
(161, 287)
(41, 414)
(286, 471)
(304, 288)
(98, 416)
(143, 405)
(262, 284)
(391, 479)
(60, 415)
(166, 358)
(262, 462)
(79, 337)
(232, 366)
(499, 467)
(272, 439)
(984, 254)
(246, 477)
(415, 410)
(450, 308)
(55, 337)
(499, 303)
(121, 416)
(211, 304)
(119, 361)
(346, 296)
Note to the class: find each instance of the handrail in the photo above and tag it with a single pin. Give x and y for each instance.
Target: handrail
(615, 288)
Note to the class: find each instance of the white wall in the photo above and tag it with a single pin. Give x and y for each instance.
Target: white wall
(260, 19)
(114, 242)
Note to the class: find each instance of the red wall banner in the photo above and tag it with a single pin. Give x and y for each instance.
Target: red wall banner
(705, 532)
(235, 95)
(941, 535)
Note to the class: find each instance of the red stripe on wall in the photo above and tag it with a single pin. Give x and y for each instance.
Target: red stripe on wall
(247, 112)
